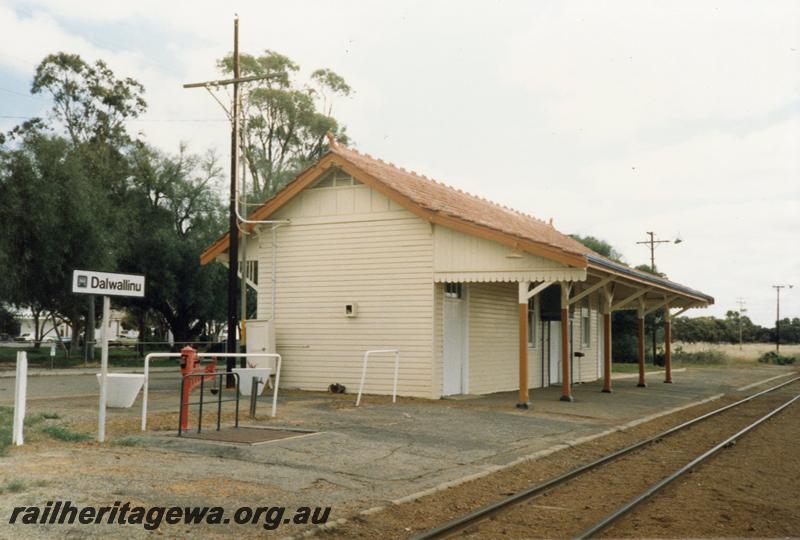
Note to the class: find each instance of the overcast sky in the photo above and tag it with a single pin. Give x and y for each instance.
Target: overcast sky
(614, 118)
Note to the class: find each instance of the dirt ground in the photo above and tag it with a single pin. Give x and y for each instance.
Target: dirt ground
(749, 490)
(696, 506)
(135, 469)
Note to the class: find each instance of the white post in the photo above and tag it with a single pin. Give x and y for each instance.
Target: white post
(275, 390)
(146, 385)
(20, 391)
(363, 378)
(145, 388)
(396, 372)
(101, 424)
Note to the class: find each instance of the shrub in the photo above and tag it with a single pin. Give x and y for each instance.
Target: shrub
(774, 358)
(699, 357)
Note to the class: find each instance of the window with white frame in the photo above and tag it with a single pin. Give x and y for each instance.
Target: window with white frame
(586, 324)
(452, 290)
(532, 322)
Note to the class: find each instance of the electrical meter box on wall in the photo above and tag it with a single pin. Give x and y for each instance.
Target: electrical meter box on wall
(260, 339)
(351, 309)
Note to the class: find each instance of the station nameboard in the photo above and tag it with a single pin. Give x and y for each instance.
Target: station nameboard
(107, 283)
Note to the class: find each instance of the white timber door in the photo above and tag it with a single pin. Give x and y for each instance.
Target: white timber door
(454, 378)
(554, 368)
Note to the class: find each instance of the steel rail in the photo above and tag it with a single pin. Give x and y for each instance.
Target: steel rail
(658, 486)
(460, 523)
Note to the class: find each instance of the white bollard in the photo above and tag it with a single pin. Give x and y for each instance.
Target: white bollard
(101, 420)
(20, 393)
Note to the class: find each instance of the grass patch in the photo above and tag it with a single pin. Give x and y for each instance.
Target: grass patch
(632, 367)
(6, 428)
(625, 367)
(65, 434)
(34, 423)
(14, 486)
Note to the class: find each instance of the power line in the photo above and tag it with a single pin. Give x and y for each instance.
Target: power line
(17, 93)
(176, 120)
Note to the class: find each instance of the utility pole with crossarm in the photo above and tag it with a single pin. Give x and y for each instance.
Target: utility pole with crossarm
(652, 242)
(778, 316)
(233, 221)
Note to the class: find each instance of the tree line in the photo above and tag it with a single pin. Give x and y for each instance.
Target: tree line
(687, 329)
(78, 189)
(716, 330)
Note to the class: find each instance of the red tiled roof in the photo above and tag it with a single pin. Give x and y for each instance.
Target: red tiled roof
(438, 197)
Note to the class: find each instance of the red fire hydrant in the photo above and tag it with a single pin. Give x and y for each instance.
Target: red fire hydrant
(190, 365)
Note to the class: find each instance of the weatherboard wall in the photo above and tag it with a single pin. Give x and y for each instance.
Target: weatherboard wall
(345, 245)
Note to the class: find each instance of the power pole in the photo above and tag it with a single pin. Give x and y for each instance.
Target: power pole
(233, 221)
(742, 311)
(652, 242)
(778, 316)
(243, 301)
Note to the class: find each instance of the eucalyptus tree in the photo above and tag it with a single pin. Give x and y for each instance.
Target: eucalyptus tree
(284, 121)
(179, 213)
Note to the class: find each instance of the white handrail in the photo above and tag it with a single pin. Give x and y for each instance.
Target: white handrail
(208, 355)
(147, 381)
(364, 371)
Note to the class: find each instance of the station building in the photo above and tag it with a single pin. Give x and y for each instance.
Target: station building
(478, 297)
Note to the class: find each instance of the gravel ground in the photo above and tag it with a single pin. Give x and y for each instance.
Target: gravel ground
(749, 490)
(138, 470)
(571, 508)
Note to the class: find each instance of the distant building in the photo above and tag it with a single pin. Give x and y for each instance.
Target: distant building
(27, 326)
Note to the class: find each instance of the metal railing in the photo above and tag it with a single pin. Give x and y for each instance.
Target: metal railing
(146, 386)
(220, 401)
(275, 356)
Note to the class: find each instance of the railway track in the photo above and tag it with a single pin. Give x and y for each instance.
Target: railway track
(500, 510)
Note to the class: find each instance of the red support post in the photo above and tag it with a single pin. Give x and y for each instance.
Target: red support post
(667, 350)
(641, 384)
(523, 401)
(607, 353)
(566, 387)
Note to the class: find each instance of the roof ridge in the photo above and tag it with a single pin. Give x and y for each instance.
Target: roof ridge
(444, 184)
(461, 191)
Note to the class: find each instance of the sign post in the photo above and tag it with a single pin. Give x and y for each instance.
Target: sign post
(106, 284)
